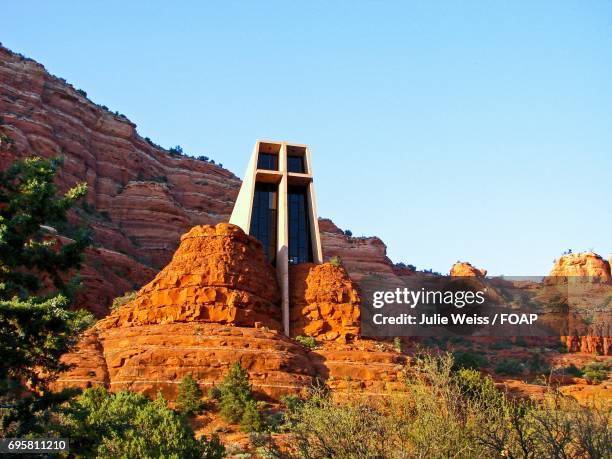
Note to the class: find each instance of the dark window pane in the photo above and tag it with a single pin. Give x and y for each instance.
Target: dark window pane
(267, 161)
(295, 164)
(263, 218)
(300, 249)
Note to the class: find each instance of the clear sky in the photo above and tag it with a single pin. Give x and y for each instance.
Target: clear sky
(478, 131)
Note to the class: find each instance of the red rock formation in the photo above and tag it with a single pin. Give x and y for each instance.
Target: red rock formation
(464, 269)
(324, 302)
(150, 196)
(601, 345)
(218, 274)
(581, 267)
(217, 302)
(144, 198)
(367, 366)
(106, 275)
(178, 324)
(586, 280)
(361, 256)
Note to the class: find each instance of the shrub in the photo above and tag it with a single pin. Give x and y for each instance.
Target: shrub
(500, 345)
(571, 370)
(123, 299)
(509, 367)
(448, 414)
(125, 424)
(348, 233)
(335, 261)
(189, 399)
(595, 371)
(537, 363)
(292, 403)
(307, 341)
(397, 344)
(252, 419)
(468, 360)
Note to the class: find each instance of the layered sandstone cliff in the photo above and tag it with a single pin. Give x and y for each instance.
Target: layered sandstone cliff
(141, 198)
(361, 256)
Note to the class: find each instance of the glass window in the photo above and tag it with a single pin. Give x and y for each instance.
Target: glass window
(267, 161)
(300, 249)
(264, 217)
(295, 164)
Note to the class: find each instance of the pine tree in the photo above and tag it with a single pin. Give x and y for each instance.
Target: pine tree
(34, 330)
(252, 419)
(189, 399)
(234, 393)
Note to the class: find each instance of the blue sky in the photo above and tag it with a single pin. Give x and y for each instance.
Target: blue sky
(478, 131)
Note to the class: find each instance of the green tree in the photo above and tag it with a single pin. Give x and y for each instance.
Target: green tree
(28, 203)
(126, 424)
(34, 330)
(252, 419)
(234, 393)
(189, 399)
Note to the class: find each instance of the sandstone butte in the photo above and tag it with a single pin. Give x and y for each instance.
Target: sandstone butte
(581, 267)
(217, 302)
(465, 269)
(587, 277)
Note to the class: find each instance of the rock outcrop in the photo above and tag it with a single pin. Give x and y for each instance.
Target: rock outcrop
(361, 256)
(141, 198)
(581, 267)
(215, 303)
(324, 302)
(465, 269)
(218, 274)
(601, 345)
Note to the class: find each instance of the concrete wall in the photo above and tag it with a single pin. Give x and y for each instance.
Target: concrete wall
(241, 215)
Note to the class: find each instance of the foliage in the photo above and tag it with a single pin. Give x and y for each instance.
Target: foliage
(34, 331)
(123, 299)
(571, 370)
(127, 424)
(596, 371)
(348, 233)
(292, 403)
(234, 393)
(189, 399)
(510, 367)
(448, 413)
(403, 265)
(252, 419)
(307, 341)
(397, 344)
(537, 363)
(501, 344)
(335, 261)
(33, 335)
(27, 203)
(470, 360)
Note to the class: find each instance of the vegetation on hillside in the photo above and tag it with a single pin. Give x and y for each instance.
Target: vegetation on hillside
(36, 324)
